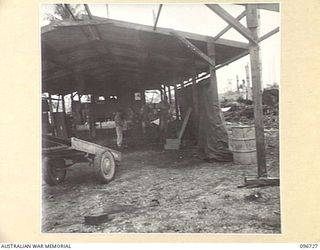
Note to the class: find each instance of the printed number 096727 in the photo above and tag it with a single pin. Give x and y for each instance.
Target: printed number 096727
(308, 245)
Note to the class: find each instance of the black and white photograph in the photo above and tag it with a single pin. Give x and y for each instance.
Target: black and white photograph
(160, 118)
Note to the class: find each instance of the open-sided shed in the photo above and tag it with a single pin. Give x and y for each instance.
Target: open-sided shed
(102, 56)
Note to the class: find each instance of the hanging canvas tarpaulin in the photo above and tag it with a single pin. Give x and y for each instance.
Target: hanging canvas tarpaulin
(213, 136)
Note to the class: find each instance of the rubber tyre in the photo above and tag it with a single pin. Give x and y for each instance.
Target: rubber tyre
(105, 166)
(53, 171)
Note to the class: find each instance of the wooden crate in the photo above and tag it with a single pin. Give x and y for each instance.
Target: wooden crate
(172, 144)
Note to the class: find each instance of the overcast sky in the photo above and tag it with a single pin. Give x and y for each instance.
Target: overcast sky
(197, 18)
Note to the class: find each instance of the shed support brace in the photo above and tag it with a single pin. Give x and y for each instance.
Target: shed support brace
(176, 102)
(157, 18)
(216, 8)
(225, 30)
(193, 48)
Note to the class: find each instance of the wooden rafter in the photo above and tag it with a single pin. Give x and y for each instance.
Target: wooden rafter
(95, 32)
(70, 12)
(267, 6)
(272, 32)
(222, 32)
(88, 11)
(99, 48)
(245, 53)
(194, 49)
(107, 8)
(157, 18)
(231, 21)
(231, 43)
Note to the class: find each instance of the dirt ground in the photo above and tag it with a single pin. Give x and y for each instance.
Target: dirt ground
(156, 191)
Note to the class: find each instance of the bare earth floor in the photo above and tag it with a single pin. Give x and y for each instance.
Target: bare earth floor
(157, 191)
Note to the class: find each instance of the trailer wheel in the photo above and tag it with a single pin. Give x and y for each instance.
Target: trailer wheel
(105, 166)
(53, 171)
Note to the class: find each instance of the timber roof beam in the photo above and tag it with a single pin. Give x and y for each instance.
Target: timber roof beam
(216, 8)
(226, 29)
(194, 49)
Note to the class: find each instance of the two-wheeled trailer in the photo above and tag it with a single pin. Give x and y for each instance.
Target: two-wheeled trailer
(59, 154)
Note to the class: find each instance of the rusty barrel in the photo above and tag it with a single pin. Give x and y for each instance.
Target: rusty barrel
(243, 144)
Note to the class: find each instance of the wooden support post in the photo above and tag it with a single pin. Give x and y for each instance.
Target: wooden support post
(213, 78)
(161, 94)
(254, 48)
(72, 113)
(92, 123)
(63, 104)
(163, 87)
(51, 115)
(57, 109)
(71, 96)
(170, 97)
(195, 98)
(176, 102)
(143, 96)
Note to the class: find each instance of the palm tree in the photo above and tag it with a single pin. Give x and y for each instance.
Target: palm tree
(62, 11)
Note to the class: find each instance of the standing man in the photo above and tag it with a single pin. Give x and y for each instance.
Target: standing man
(144, 112)
(164, 116)
(119, 121)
